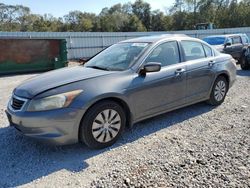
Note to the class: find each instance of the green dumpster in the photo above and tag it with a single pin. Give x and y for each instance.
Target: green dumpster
(31, 55)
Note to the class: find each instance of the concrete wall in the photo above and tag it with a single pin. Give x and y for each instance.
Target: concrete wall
(86, 44)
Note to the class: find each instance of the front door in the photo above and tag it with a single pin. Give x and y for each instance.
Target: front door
(159, 91)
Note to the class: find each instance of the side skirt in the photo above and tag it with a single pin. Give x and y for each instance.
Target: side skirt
(168, 110)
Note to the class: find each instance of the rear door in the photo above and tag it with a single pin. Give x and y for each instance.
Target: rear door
(199, 60)
(235, 49)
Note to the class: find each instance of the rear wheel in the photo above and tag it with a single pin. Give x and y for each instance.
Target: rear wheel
(102, 125)
(219, 91)
(244, 64)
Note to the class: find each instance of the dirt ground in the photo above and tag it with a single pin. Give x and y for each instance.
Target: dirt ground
(196, 146)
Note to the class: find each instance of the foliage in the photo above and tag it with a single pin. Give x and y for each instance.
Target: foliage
(137, 16)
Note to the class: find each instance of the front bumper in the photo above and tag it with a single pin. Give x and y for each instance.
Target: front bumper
(58, 127)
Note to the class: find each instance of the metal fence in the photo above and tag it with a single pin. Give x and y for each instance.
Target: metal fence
(86, 44)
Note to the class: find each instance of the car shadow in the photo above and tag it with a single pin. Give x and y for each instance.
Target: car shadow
(24, 160)
(243, 72)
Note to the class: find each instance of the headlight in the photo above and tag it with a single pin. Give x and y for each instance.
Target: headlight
(53, 102)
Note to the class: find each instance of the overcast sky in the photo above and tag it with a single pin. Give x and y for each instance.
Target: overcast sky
(59, 8)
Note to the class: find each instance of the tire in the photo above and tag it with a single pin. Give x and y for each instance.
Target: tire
(102, 124)
(219, 91)
(244, 64)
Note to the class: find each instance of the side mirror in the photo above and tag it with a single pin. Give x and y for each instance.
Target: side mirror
(151, 67)
(228, 44)
(83, 60)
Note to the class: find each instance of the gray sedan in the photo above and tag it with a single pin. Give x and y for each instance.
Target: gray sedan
(124, 84)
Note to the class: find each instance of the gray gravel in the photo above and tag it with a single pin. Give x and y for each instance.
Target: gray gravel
(197, 146)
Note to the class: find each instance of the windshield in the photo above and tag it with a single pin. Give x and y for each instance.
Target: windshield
(215, 40)
(117, 57)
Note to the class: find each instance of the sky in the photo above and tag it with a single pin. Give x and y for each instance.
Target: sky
(59, 8)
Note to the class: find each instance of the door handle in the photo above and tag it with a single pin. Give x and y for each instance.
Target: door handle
(211, 63)
(179, 72)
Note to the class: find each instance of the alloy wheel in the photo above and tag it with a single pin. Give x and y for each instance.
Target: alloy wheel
(220, 90)
(106, 125)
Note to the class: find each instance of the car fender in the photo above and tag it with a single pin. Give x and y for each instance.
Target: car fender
(110, 96)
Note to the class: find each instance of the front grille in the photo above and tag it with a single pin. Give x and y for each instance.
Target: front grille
(17, 103)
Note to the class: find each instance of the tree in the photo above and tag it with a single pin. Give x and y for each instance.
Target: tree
(113, 19)
(143, 11)
(27, 22)
(79, 21)
(134, 24)
(158, 21)
(11, 17)
(137, 16)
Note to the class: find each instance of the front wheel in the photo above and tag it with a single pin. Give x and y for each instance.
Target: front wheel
(102, 125)
(219, 91)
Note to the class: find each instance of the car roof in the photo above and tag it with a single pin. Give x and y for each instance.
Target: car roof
(227, 35)
(156, 38)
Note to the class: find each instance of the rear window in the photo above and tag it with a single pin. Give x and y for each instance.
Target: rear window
(245, 39)
(215, 40)
(236, 40)
(208, 50)
(193, 50)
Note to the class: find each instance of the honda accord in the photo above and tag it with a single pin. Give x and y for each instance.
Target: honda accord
(124, 84)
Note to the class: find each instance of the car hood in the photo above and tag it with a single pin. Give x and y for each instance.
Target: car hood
(53, 79)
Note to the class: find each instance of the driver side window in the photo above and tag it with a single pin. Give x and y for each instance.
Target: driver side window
(229, 40)
(166, 54)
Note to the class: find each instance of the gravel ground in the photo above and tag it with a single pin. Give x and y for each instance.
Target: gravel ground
(196, 146)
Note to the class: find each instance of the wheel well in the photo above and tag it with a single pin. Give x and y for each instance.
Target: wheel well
(225, 76)
(244, 50)
(122, 103)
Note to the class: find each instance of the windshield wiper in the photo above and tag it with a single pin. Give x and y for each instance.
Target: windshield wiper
(97, 67)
